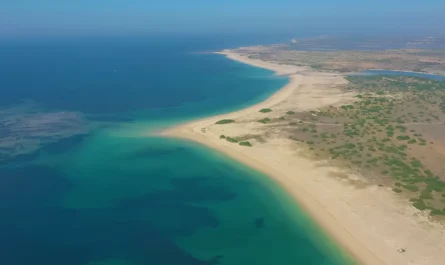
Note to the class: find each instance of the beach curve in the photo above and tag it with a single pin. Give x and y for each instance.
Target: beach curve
(192, 131)
(339, 219)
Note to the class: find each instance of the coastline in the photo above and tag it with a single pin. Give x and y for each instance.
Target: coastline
(310, 205)
(279, 69)
(351, 217)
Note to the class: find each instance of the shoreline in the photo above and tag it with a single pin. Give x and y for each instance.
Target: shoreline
(315, 210)
(279, 69)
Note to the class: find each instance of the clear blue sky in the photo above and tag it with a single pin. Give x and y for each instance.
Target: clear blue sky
(22, 17)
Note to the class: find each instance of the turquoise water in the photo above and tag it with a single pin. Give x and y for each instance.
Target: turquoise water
(106, 193)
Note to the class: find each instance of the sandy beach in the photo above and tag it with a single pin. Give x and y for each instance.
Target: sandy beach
(370, 222)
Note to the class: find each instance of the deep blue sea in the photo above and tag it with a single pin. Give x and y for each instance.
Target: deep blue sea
(82, 183)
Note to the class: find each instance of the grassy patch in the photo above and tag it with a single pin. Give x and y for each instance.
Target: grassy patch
(265, 120)
(412, 188)
(347, 107)
(245, 143)
(265, 110)
(225, 121)
(397, 190)
(402, 137)
(231, 139)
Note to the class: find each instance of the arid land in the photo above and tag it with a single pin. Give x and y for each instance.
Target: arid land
(416, 60)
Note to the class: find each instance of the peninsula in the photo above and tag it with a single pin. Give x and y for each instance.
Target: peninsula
(361, 154)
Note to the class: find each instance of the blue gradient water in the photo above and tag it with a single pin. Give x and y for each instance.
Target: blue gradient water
(106, 193)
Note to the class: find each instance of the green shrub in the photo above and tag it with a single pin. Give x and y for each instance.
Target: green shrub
(420, 205)
(245, 143)
(416, 163)
(265, 110)
(324, 135)
(347, 107)
(402, 147)
(437, 212)
(349, 146)
(265, 120)
(225, 121)
(426, 195)
(222, 136)
(396, 190)
(290, 112)
(401, 128)
(402, 137)
(412, 188)
(232, 140)
(435, 184)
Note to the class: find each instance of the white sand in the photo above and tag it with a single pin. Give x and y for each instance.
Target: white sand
(368, 221)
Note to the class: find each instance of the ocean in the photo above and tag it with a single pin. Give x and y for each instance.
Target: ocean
(83, 182)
